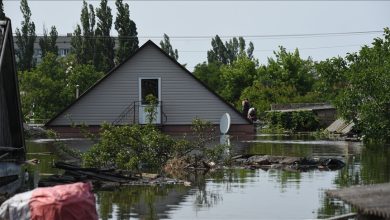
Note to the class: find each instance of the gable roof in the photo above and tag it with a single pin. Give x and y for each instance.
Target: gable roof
(148, 43)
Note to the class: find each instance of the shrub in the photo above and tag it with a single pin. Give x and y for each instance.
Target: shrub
(294, 121)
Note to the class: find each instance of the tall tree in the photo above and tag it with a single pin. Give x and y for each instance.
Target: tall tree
(83, 42)
(105, 43)
(285, 79)
(218, 53)
(167, 47)
(51, 86)
(2, 15)
(210, 74)
(250, 50)
(228, 52)
(48, 43)
(77, 44)
(366, 97)
(127, 32)
(331, 77)
(25, 39)
(237, 76)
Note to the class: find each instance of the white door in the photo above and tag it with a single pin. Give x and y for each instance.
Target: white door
(149, 86)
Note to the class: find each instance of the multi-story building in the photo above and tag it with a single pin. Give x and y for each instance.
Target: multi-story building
(63, 44)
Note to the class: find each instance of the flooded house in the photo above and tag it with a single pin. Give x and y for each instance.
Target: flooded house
(119, 98)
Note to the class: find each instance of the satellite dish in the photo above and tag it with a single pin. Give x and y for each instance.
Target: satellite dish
(224, 123)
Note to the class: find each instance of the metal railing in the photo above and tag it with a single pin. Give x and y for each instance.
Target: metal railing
(131, 114)
(125, 115)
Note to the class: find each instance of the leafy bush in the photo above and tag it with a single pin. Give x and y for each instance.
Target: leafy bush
(294, 121)
(131, 147)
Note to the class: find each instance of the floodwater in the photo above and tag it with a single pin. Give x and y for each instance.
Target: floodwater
(244, 193)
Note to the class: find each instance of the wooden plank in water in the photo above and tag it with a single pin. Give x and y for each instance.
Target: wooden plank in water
(368, 199)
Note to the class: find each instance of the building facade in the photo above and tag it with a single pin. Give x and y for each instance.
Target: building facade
(119, 97)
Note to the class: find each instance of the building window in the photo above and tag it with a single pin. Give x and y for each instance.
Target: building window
(64, 52)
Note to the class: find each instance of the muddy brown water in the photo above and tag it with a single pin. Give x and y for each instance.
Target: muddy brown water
(241, 193)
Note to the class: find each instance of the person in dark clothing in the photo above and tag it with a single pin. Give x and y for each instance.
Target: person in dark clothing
(245, 107)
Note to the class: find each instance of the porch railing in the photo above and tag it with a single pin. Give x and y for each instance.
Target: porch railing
(131, 114)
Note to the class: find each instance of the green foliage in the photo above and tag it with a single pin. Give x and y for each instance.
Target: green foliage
(105, 43)
(135, 146)
(331, 77)
(229, 52)
(218, 53)
(127, 32)
(210, 74)
(199, 148)
(51, 86)
(167, 47)
(240, 74)
(293, 121)
(2, 15)
(83, 39)
(48, 43)
(286, 79)
(150, 109)
(366, 98)
(234, 74)
(129, 147)
(288, 69)
(25, 39)
(77, 44)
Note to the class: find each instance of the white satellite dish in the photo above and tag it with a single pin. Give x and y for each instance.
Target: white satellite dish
(224, 123)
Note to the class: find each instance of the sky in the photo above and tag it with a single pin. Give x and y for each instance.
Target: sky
(268, 24)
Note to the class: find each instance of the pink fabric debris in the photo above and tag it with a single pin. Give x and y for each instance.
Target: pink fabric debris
(64, 202)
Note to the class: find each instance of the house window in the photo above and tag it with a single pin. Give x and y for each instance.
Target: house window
(149, 86)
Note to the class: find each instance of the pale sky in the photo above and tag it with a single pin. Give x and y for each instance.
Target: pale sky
(254, 19)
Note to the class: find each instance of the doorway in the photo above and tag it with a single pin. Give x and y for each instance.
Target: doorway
(149, 86)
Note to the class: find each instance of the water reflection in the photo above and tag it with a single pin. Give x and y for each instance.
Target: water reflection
(143, 202)
(244, 193)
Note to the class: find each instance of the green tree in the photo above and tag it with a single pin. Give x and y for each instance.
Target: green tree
(48, 43)
(366, 98)
(127, 32)
(105, 43)
(167, 47)
(83, 40)
(2, 15)
(210, 74)
(236, 77)
(25, 39)
(51, 86)
(218, 53)
(127, 147)
(228, 52)
(77, 44)
(262, 96)
(331, 78)
(250, 50)
(289, 69)
(284, 79)
(81, 75)
(42, 88)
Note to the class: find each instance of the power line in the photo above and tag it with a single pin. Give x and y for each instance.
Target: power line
(264, 36)
(193, 0)
(271, 50)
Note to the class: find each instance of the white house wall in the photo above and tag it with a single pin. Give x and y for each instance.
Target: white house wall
(183, 97)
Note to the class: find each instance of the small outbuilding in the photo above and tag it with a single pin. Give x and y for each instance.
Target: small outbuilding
(119, 98)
